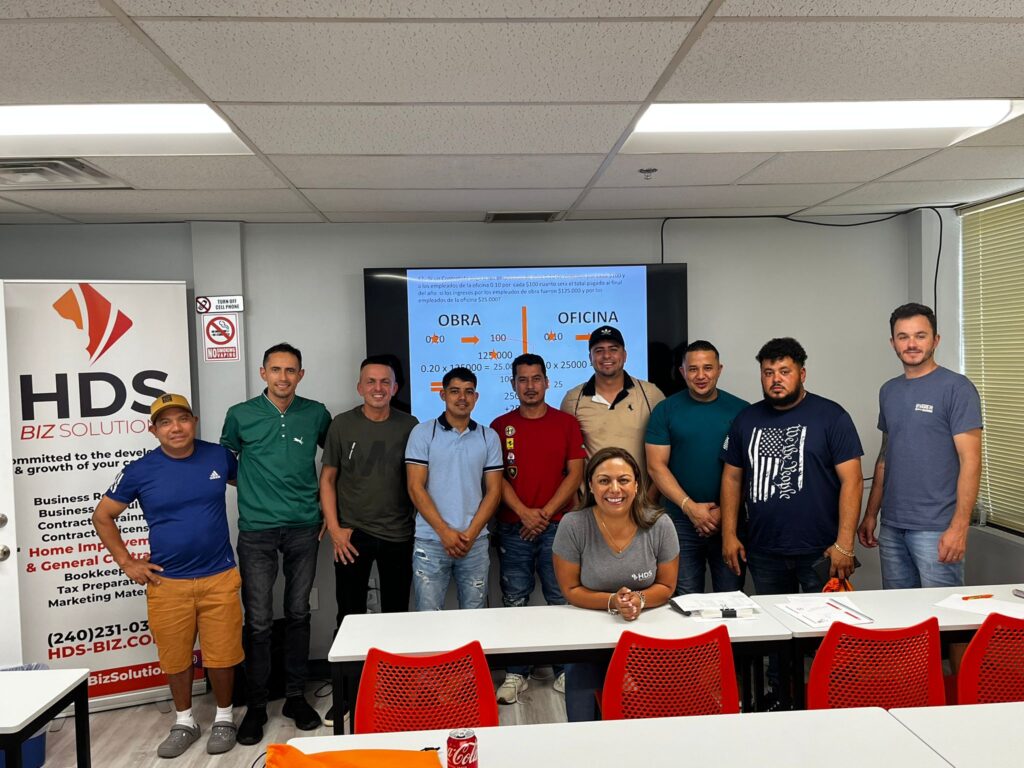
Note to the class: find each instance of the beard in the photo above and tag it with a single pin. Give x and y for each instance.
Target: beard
(786, 400)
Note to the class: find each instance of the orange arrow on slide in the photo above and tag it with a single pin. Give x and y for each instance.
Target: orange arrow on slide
(470, 340)
(582, 337)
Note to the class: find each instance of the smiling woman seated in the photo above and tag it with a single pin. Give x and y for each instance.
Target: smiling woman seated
(614, 554)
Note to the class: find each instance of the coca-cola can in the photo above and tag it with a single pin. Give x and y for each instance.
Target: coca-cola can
(462, 749)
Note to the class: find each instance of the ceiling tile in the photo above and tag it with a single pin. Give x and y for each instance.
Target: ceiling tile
(31, 218)
(911, 193)
(967, 163)
(162, 201)
(119, 218)
(819, 167)
(851, 210)
(679, 170)
(206, 172)
(442, 199)
(381, 62)
(975, 8)
(437, 171)
(807, 61)
(80, 62)
(12, 207)
(685, 213)
(433, 130)
(50, 9)
(399, 9)
(404, 216)
(748, 196)
(1009, 133)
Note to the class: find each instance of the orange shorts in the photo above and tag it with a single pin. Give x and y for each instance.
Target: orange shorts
(211, 607)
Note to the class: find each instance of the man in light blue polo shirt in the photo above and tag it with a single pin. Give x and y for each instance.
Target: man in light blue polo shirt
(453, 467)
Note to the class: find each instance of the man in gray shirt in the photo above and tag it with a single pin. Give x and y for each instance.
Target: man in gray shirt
(366, 506)
(927, 473)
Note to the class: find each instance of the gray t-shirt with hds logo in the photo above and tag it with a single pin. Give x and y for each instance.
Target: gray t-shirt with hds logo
(579, 540)
(370, 457)
(921, 416)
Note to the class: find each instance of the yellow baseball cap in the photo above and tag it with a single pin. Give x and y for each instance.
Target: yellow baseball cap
(166, 401)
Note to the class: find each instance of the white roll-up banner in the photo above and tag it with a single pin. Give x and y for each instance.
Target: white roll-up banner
(85, 360)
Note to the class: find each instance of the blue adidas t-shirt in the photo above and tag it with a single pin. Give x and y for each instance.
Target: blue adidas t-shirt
(183, 503)
(790, 483)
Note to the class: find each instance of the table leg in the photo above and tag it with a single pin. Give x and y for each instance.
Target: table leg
(82, 740)
(12, 754)
(340, 699)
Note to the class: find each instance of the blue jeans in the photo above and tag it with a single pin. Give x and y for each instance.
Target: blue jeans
(698, 552)
(433, 569)
(910, 559)
(783, 575)
(521, 561)
(258, 563)
(583, 683)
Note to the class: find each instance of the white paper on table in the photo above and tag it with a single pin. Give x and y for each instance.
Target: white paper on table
(715, 601)
(982, 605)
(820, 610)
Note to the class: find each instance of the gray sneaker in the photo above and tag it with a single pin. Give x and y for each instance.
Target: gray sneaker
(223, 735)
(178, 740)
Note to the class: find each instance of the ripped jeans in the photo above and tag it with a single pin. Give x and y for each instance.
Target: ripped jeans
(433, 569)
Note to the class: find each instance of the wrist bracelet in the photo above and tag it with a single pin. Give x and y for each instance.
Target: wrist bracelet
(841, 551)
(643, 600)
(682, 504)
(612, 611)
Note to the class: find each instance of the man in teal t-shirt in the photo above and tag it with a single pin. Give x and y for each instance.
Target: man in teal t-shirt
(275, 436)
(683, 443)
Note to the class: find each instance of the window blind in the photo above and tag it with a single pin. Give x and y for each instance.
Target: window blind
(993, 349)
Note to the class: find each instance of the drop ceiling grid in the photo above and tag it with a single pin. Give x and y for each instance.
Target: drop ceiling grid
(872, 8)
(749, 196)
(161, 201)
(441, 199)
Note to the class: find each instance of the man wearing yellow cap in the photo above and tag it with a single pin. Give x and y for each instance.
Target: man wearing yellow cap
(192, 583)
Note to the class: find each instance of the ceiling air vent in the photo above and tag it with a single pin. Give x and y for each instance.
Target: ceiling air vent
(520, 216)
(54, 173)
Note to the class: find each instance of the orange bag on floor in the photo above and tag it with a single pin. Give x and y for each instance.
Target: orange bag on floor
(284, 756)
(838, 585)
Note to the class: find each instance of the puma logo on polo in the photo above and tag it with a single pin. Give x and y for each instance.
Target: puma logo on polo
(297, 440)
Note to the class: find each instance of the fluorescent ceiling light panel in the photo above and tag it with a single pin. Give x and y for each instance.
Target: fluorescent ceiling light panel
(781, 127)
(115, 129)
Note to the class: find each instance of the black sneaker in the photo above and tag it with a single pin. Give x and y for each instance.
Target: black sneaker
(250, 730)
(298, 709)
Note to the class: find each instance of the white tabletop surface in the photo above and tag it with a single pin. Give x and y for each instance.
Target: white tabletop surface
(838, 738)
(23, 695)
(891, 608)
(535, 628)
(969, 736)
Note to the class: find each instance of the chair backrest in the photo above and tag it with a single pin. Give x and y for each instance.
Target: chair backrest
(860, 667)
(415, 693)
(652, 677)
(992, 669)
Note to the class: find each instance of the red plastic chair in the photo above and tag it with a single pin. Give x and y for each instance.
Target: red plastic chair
(652, 677)
(415, 693)
(992, 669)
(860, 667)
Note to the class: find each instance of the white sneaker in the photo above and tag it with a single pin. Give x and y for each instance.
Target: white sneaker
(509, 690)
(560, 683)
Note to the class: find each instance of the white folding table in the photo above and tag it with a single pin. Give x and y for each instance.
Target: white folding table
(969, 736)
(29, 700)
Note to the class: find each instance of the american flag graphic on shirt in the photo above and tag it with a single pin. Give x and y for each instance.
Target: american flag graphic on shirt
(776, 456)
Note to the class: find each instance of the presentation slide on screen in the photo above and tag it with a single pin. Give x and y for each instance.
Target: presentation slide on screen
(484, 318)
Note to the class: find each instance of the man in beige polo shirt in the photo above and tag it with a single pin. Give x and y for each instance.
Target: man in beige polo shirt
(612, 406)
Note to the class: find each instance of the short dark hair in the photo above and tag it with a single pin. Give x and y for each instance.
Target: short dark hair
(528, 358)
(378, 360)
(786, 346)
(700, 345)
(284, 346)
(463, 374)
(913, 309)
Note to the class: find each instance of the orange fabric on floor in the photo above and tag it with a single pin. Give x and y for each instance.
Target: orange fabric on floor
(284, 756)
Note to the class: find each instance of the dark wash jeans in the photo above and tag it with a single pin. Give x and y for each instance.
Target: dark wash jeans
(394, 574)
(521, 562)
(258, 563)
(698, 552)
(783, 575)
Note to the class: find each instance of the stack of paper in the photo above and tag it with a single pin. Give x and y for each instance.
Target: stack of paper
(982, 605)
(820, 610)
(716, 605)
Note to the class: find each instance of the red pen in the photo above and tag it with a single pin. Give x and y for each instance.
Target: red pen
(974, 597)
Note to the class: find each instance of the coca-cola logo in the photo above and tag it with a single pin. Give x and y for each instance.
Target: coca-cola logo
(462, 755)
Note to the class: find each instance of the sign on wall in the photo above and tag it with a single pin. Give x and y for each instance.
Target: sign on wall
(220, 337)
(85, 360)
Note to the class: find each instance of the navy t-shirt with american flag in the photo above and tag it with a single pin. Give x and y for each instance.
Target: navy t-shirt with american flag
(790, 484)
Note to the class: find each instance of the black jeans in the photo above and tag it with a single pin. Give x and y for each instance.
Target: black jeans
(258, 563)
(394, 574)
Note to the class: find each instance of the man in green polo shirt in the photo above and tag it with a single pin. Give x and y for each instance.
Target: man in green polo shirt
(275, 436)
